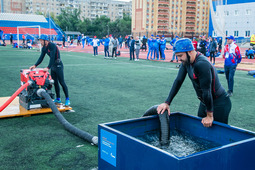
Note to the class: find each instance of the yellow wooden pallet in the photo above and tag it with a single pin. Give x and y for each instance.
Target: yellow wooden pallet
(14, 109)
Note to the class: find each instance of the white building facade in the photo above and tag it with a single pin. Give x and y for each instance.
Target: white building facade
(90, 9)
(239, 19)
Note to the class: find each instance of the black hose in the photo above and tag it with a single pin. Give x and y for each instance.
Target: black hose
(82, 134)
(164, 124)
(151, 111)
(164, 129)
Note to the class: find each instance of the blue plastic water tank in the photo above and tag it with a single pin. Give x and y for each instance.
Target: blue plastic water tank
(119, 147)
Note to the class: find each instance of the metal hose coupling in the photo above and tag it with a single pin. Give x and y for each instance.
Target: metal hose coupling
(30, 82)
(51, 81)
(39, 92)
(95, 140)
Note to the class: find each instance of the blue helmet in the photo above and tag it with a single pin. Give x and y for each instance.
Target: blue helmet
(231, 37)
(44, 37)
(183, 45)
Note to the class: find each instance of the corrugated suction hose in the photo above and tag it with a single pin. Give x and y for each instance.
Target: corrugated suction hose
(164, 124)
(82, 134)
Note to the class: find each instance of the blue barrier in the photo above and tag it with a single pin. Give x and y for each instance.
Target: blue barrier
(120, 148)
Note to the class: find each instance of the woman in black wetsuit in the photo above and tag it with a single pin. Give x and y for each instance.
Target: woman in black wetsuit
(56, 66)
(214, 102)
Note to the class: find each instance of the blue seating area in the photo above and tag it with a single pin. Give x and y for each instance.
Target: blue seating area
(10, 22)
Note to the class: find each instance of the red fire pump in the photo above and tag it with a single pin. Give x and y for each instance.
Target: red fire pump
(38, 79)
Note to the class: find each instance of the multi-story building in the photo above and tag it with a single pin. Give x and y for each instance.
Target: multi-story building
(239, 19)
(112, 9)
(12, 6)
(170, 17)
(90, 9)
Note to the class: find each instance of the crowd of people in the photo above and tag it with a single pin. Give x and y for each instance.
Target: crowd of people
(210, 47)
(215, 104)
(112, 45)
(157, 45)
(28, 40)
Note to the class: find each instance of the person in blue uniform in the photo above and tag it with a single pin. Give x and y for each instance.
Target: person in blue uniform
(106, 46)
(163, 47)
(172, 44)
(157, 47)
(150, 47)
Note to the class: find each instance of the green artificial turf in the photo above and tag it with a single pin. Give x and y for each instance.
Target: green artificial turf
(100, 91)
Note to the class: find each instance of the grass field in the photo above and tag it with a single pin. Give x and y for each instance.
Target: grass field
(100, 91)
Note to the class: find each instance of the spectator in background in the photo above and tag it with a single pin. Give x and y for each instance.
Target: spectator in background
(79, 40)
(194, 42)
(150, 46)
(203, 44)
(144, 41)
(132, 48)
(137, 48)
(11, 38)
(126, 38)
(86, 40)
(128, 41)
(106, 46)
(71, 42)
(250, 53)
(23, 38)
(120, 41)
(114, 47)
(1, 33)
(110, 44)
(95, 45)
(232, 57)
(28, 39)
(198, 43)
(157, 47)
(3, 38)
(154, 48)
(220, 45)
(83, 40)
(209, 39)
(172, 44)
(212, 49)
(68, 39)
(64, 40)
(162, 47)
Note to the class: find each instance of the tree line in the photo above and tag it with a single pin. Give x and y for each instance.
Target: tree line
(70, 20)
